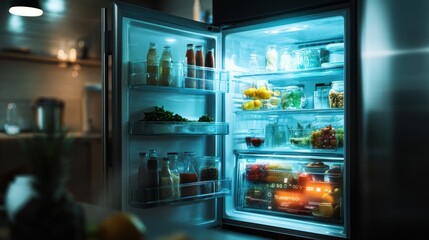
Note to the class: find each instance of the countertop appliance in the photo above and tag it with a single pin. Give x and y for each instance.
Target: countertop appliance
(295, 183)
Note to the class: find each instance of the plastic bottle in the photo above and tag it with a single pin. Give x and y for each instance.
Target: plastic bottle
(175, 174)
(152, 176)
(152, 65)
(209, 63)
(199, 62)
(271, 131)
(190, 61)
(165, 67)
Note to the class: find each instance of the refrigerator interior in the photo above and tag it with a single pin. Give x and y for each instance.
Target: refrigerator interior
(139, 97)
(268, 167)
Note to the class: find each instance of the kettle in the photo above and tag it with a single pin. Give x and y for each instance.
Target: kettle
(48, 114)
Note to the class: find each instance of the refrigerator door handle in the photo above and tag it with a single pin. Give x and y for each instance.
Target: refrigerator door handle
(106, 49)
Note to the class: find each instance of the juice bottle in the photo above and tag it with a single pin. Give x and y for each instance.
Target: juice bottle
(152, 177)
(152, 65)
(199, 62)
(209, 63)
(189, 175)
(165, 181)
(190, 60)
(165, 67)
(175, 174)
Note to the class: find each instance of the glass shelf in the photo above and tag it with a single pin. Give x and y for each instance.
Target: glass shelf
(202, 190)
(178, 128)
(335, 111)
(330, 70)
(333, 154)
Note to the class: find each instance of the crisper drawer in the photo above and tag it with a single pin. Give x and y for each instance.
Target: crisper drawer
(291, 186)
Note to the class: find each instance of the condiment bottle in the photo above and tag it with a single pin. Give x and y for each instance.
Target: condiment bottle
(189, 175)
(175, 174)
(152, 177)
(210, 171)
(165, 181)
(152, 64)
(209, 63)
(190, 60)
(165, 67)
(199, 62)
(271, 58)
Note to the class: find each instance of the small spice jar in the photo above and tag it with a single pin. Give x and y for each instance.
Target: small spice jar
(210, 172)
(336, 95)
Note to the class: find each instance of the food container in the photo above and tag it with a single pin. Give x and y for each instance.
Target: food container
(323, 135)
(317, 170)
(321, 100)
(209, 173)
(299, 137)
(255, 139)
(309, 58)
(293, 97)
(336, 52)
(336, 95)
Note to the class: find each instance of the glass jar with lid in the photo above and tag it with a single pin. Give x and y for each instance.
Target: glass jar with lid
(336, 94)
(324, 132)
(293, 97)
(271, 58)
(209, 173)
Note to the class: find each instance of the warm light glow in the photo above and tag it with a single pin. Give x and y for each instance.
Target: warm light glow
(62, 56)
(72, 55)
(25, 11)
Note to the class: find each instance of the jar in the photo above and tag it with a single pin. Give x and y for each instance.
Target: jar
(286, 60)
(323, 135)
(255, 139)
(293, 97)
(210, 172)
(336, 95)
(321, 93)
(253, 63)
(272, 57)
(310, 58)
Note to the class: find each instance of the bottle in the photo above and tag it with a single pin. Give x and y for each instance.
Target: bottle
(165, 67)
(286, 60)
(175, 174)
(189, 175)
(11, 125)
(165, 181)
(271, 58)
(253, 63)
(199, 62)
(141, 175)
(336, 95)
(190, 61)
(209, 63)
(152, 64)
(152, 176)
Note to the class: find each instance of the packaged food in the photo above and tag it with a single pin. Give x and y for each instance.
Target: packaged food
(317, 170)
(210, 170)
(336, 95)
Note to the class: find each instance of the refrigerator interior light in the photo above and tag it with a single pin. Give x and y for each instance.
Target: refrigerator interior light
(170, 40)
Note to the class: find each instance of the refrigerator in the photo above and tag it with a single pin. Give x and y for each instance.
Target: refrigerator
(275, 111)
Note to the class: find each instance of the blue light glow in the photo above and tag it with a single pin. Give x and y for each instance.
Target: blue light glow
(15, 24)
(55, 6)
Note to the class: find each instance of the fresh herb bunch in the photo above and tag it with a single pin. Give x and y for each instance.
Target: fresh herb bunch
(205, 118)
(160, 114)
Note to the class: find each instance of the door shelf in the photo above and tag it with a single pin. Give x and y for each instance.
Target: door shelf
(288, 152)
(178, 128)
(330, 70)
(203, 79)
(189, 192)
(333, 111)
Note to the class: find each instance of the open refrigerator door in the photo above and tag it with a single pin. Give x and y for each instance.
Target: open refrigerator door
(288, 109)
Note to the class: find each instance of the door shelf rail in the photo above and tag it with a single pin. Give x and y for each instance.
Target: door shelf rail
(320, 154)
(178, 128)
(189, 78)
(333, 111)
(189, 192)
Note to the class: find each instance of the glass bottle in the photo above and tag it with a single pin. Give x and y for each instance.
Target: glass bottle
(210, 171)
(209, 63)
(189, 175)
(253, 63)
(142, 172)
(271, 130)
(286, 60)
(165, 67)
(336, 95)
(152, 64)
(11, 125)
(190, 61)
(271, 58)
(152, 176)
(175, 174)
(199, 62)
(165, 181)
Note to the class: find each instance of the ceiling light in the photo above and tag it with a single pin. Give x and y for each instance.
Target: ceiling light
(26, 8)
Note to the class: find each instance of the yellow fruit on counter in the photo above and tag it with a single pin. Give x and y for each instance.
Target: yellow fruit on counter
(257, 104)
(122, 226)
(248, 105)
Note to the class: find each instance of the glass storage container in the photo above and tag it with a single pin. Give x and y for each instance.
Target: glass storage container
(327, 132)
(293, 97)
(210, 171)
(336, 95)
(321, 100)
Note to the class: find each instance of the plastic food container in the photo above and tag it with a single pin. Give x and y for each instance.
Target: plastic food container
(293, 97)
